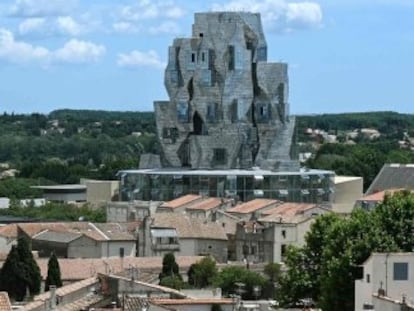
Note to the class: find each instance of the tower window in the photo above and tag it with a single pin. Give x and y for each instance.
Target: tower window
(220, 156)
(231, 57)
(212, 112)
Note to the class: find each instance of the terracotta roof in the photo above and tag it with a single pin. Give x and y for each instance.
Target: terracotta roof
(181, 201)
(252, 206)
(290, 213)
(379, 196)
(189, 227)
(207, 204)
(5, 302)
(290, 209)
(9, 231)
(80, 268)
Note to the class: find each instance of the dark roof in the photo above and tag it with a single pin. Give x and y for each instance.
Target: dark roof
(393, 176)
(56, 236)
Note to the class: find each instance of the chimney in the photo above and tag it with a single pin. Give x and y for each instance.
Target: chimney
(52, 301)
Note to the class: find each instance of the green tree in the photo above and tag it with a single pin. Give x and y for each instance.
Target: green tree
(20, 273)
(172, 281)
(272, 271)
(30, 268)
(12, 279)
(169, 267)
(230, 278)
(202, 273)
(53, 273)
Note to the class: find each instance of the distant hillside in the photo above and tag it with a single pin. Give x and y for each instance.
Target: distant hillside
(387, 122)
(100, 115)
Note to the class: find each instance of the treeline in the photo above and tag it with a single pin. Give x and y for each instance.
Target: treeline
(68, 144)
(364, 159)
(390, 124)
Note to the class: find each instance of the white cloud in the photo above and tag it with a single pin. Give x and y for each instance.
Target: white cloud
(165, 27)
(125, 27)
(137, 58)
(40, 8)
(32, 25)
(68, 25)
(148, 9)
(279, 15)
(77, 51)
(20, 52)
(53, 26)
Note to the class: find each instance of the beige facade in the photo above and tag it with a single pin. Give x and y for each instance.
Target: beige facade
(348, 189)
(100, 191)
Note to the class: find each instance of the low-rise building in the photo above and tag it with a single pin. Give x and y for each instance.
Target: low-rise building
(389, 275)
(130, 211)
(252, 209)
(185, 236)
(288, 224)
(72, 239)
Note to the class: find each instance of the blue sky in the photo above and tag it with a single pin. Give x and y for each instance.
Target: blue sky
(343, 55)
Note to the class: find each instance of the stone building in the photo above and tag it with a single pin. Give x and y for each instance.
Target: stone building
(225, 130)
(228, 106)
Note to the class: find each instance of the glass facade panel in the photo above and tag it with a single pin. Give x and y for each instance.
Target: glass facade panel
(145, 185)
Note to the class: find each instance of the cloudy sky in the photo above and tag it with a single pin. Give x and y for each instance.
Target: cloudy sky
(344, 55)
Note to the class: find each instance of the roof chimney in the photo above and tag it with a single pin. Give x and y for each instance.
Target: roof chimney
(52, 301)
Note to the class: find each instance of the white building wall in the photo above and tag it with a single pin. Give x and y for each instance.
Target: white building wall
(112, 248)
(84, 247)
(6, 244)
(380, 268)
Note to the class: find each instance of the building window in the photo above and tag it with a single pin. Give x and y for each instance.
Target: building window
(234, 111)
(368, 278)
(219, 156)
(253, 250)
(283, 250)
(212, 112)
(400, 271)
(231, 57)
(170, 133)
(284, 234)
(193, 57)
(182, 112)
(203, 56)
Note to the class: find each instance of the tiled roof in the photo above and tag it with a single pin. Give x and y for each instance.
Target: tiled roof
(5, 302)
(290, 209)
(290, 213)
(393, 176)
(9, 231)
(81, 268)
(95, 231)
(207, 204)
(55, 236)
(181, 201)
(252, 206)
(66, 290)
(379, 196)
(188, 227)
